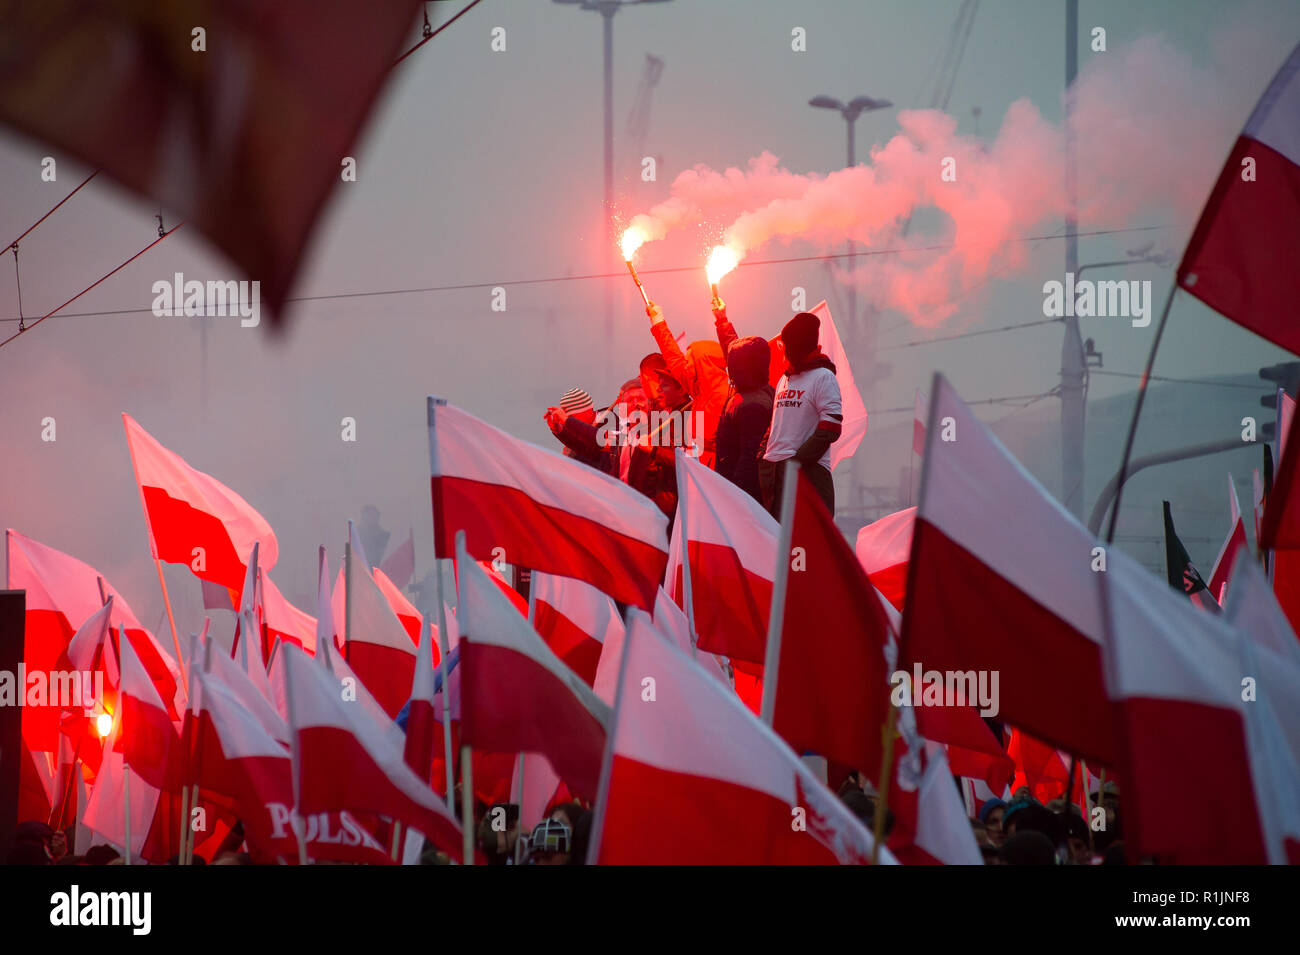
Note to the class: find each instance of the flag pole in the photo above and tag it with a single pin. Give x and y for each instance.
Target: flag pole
(687, 593)
(532, 622)
(442, 615)
(1137, 411)
(772, 657)
(295, 763)
(882, 794)
(347, 597)
(466, 752)
(126, 770)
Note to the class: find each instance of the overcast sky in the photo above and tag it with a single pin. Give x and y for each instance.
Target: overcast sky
(485, 167)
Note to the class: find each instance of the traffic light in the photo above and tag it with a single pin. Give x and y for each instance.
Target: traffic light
(1286, 375)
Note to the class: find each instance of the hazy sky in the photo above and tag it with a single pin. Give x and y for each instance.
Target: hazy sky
(485, 167)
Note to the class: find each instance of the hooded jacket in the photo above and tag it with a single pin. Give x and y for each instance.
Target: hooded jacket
(747, 414)
(702, 370)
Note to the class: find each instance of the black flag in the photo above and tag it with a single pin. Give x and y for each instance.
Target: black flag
(1183, 576)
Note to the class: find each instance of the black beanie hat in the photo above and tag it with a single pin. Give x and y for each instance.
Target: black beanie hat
(800, 335)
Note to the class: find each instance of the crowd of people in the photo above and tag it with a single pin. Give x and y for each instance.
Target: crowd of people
(715, 399)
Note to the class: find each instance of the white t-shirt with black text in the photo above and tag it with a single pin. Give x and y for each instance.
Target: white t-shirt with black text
(802, 401)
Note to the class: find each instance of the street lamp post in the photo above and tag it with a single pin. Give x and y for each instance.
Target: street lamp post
(607, 9)
(851, 111)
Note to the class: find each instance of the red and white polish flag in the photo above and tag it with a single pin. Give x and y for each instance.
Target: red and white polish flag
(920, 416)
(344, 762)
(731, 540)
(1001, 579)
(1252, 609)
(855, 409)
(883, 547)
(696, 763)
(378, 648)
(405, 610)
(516, 695)
(219, 669)
(422, 737)
(1240, 260)
(186, 509)
(148, 738)
(1176, 676)
(931, 826)
(62, 593)
(575, 619)
(239, 761)
(547, 512)
(1233, 544)
(284, 621)
(832, 691)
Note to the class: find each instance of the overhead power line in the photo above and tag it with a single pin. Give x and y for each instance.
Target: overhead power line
(622, 275)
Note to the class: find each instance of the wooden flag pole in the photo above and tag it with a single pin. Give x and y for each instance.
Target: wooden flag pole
(126, 770)
(295, 762)
(772, 656)
(466, 753)
(442, 619)
(347, 597)
(882, 795)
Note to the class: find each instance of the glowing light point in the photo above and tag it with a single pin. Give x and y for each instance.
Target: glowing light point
(103, 724)
(722, 260)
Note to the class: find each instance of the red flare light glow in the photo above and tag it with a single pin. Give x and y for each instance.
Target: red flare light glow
(722, 260)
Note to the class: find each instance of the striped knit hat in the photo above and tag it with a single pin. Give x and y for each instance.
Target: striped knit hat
(575, 401)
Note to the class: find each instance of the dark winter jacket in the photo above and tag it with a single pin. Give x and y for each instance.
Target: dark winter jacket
(747, 414)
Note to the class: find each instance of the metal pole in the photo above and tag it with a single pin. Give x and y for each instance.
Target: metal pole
(1072, 360)
(852, 291)
(607, 16)
(1151, 460)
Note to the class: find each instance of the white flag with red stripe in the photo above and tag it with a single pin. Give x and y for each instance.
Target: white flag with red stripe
(547, 512)
(421, 723)
(883, 547)
(238, 758)
(62, 593)
(1004, 582)
(575, 619)
(516, 695)
(920, 415)
(693, 778)
(149, 740)
(851, 403)
(378, 648)
(1241, 258)
(1233, 544)
(342, 762)
(193, 518)
(284, 621)
(731, 541)
(405, 610)
(1179, 681)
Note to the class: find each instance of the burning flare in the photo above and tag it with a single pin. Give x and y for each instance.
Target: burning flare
(103, 724)
(722, 260)
(633, 239)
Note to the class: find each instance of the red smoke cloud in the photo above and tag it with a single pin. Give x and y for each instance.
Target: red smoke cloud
(1151, 131)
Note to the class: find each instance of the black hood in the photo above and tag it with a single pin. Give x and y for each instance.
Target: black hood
(815, 360)
(748, 360)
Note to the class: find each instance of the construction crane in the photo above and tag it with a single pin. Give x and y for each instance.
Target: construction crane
(638, 117)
